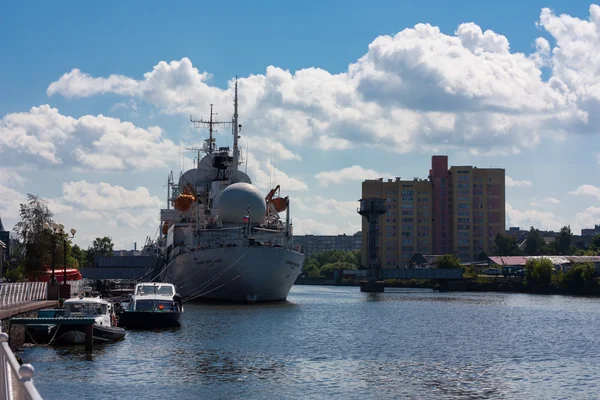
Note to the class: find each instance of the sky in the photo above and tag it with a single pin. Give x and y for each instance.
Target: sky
(96, 100)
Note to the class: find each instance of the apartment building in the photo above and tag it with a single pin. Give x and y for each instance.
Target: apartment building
(457, 210)
(406, 227)
(314, 243)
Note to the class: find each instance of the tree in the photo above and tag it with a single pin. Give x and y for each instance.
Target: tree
(595, 243)
(103, 246)
(563, 242)
(78, 255)
(447, 261)
(538, 272)
(506, 245)
(534, 243)
(325, 262)
(30, 229)
(100, 247)
(579, 277)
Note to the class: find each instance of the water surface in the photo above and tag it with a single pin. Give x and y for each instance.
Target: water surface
(335, 342)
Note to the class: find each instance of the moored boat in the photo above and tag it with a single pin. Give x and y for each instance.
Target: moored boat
(153, 306)
(105, 328)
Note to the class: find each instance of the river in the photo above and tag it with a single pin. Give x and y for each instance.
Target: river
(338, 343)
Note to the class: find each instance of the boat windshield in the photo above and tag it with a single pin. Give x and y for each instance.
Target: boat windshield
(85, 309)
(155, 289)
(156, 305)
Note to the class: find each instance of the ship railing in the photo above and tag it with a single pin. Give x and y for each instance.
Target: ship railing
(16, 381)
(12, 294)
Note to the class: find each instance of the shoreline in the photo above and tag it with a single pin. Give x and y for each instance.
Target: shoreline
(466, 285)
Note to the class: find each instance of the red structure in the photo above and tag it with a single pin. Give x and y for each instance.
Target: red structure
(44, 276)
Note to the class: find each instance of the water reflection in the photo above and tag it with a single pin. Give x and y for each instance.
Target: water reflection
(336, 342)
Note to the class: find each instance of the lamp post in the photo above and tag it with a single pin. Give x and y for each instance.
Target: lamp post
(65, 238)
(65, 290)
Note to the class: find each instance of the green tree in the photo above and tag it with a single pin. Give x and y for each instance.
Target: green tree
(100, 247)
(324, 262)
(447, 261)
(534, 243)
(37, 241)
(563, 241)
(579, 277)
(506, 245)
(538, 272)
(79, 256)
(595, 243)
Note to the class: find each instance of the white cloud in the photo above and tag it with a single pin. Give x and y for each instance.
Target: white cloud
(587, 190)
(265, 175)
(10, 177)
(588, 218)
(45, 137)
(413, 90)
(510, 182)
(322, 206)
(538, 219)
(353, 173)
(9, 204)
(552, 200)
(104, 196)
(310, 226)
(546, 200)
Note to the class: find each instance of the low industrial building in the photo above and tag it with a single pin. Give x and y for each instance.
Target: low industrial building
(312, 244)
(563, 262)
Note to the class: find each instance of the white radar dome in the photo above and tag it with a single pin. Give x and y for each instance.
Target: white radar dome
(235, 200)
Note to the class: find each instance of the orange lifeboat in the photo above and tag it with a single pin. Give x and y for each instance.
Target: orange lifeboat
(165, 228)
(280, 203)
(184, 201)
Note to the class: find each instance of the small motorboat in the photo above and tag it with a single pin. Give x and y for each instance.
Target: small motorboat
(153, 305)
(86, 304)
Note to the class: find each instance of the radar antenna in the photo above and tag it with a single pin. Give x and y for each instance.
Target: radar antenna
(211, 123)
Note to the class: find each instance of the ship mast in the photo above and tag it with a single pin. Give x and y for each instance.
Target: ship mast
(236, 130)
(210, 123)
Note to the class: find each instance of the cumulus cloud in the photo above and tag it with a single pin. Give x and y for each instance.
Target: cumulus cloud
(266, 176)
(9, 204)
(104, 196)
(45, 137)
(510, 182)
(353, 173)
(538, 219)
(587, 190)
(11, 178)
(324, 206)
(310, 226)
(416, 89)
(588, 218)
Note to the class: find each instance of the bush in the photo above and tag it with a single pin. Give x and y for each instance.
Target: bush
(579, 277)
(538, 272)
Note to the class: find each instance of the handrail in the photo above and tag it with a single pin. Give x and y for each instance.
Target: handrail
(16, 382)
(12, 294)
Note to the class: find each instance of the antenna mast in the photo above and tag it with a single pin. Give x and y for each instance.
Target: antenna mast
(210, 123)
(237, 127)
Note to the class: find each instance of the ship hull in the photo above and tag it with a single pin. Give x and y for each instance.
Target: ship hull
(238, 274)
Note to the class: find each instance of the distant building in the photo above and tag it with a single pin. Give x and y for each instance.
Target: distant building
(457, 210)
(315, 243)
(2, 247)
(591, 231)
(5, 238)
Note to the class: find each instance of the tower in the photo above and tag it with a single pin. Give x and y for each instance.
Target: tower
(372, 209)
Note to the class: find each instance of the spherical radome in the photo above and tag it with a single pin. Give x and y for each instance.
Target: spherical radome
(235, 200)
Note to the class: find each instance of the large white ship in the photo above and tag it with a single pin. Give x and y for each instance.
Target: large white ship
(221, 238)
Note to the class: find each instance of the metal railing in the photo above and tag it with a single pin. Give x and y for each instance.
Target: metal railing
(12, 294)
(16, 381)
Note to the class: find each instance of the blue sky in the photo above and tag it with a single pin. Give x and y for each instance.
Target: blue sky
(327, 99)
